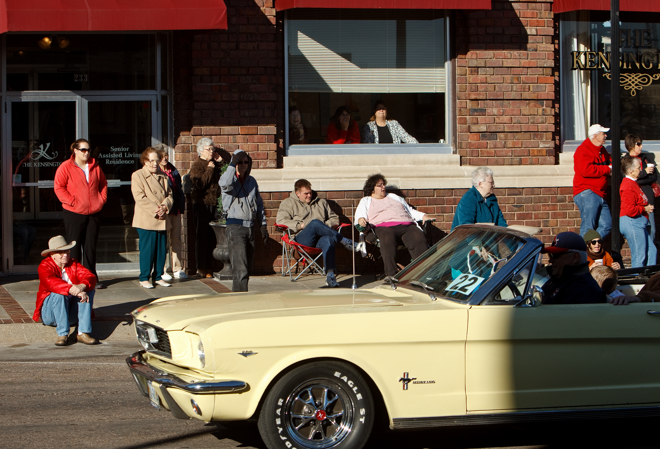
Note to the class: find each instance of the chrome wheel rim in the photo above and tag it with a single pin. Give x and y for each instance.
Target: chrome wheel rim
(319, 414)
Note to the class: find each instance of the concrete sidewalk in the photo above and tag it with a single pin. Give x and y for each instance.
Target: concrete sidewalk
(112, 305)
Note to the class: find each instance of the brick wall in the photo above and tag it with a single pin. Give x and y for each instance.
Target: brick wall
(507, 84)
(228, 85)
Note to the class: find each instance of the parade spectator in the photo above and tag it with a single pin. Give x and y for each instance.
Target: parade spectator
(570, 281)
(647, 176)
(596, 253)
(297, 134)
(242, 203)
(173, 220)
(342, 129)
(81, 187)
(204, 176)
(592, 166)
(381, 130)
(634, 215)
(311, 221)
(393, 221)
(153, 201)
(66, 293)
(479, 204)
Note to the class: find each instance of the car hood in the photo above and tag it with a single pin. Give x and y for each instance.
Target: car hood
(176, 313)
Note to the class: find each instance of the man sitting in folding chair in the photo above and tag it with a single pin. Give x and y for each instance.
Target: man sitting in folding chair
(311, 221)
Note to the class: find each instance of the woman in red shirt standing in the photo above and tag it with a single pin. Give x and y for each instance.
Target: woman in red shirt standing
(634, 218)
(81, 187)
(342, 129)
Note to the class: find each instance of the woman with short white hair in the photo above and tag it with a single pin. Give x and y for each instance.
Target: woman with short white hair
(479, 204)
(204, 176)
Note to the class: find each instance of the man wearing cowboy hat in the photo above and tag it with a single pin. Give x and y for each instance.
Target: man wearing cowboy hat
(66, 290)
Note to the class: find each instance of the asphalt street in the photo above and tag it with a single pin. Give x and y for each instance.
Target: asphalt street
(84, 397)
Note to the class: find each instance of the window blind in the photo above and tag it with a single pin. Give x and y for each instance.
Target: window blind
(367, 55)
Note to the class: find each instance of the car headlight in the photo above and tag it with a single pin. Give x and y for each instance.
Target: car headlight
(200, 353)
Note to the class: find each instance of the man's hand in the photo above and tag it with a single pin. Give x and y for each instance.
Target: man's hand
(623, 300)
(76, 289)
(264, 234)
(648, 208)
(301, 225)
(616, 266)
(83, 297)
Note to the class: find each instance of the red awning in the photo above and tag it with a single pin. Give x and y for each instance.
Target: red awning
(281, 5)
(604, 5)
(112, 15)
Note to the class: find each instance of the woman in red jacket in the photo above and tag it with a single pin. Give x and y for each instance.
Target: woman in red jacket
(342, 129)
(81, 187)
(634, 216)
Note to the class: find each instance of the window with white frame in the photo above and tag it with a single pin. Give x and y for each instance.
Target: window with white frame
(354, 58)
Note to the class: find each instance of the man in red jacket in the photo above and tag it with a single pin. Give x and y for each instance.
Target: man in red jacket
(592, 165)
(66, 291)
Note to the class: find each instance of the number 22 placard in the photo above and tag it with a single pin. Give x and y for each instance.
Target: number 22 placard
(465, 284)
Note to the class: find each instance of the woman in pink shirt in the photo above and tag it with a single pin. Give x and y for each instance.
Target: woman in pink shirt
(394, 221)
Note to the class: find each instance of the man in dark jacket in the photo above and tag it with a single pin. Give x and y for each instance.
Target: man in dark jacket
(479, 204)
(570, 281)
(204, 176)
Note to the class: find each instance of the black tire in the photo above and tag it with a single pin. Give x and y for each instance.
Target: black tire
(321, 405)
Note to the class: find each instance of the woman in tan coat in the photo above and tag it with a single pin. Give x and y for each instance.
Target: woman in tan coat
(153, 201)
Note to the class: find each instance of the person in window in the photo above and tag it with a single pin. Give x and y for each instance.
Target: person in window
(381, 130)
(393, 220)
(479, 204)
(342, 129)
(173, 220)
(153, 201)
(634, 215)
(596, 254)
(647, 176)
(570, 281)
(82, 188)
(297, 134)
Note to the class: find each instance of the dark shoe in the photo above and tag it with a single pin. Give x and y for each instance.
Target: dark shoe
(201, 273)
(87, 339)
(99, 286)
(331, 281)
(62, 340)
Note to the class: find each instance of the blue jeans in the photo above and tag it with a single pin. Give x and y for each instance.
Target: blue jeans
(594, 212)
(61, 311)
(319, 235)
(642, 248)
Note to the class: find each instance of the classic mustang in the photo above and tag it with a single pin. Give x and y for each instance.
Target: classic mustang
(461, 336)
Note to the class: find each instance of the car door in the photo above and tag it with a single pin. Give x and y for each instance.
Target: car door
(557, 356)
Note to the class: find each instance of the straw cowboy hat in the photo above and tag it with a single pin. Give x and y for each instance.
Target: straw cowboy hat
(57, 243)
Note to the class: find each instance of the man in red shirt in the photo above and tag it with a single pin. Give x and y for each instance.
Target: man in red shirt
(66, 292)
(592, 165)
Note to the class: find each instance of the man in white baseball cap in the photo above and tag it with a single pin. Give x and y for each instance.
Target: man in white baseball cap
(592, 165)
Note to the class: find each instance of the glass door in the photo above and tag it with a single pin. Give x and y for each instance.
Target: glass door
(41, 131)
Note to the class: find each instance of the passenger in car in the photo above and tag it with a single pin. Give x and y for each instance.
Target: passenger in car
(607, 278)
(570, 281)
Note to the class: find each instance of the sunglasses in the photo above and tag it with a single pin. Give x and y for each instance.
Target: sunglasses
(83, 149)
(596, 242)
(639, 144)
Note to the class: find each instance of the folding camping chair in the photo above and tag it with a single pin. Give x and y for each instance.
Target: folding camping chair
(306, 259)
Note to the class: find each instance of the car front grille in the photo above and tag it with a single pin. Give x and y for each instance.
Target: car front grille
(163, 344)
(153, 339)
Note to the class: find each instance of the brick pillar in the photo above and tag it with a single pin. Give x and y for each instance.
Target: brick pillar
(507, 84)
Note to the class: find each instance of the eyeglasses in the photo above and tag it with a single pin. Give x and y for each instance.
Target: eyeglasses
(639, 144)
(380, 185)
(152, 162)
(83, 149)
(596, 242)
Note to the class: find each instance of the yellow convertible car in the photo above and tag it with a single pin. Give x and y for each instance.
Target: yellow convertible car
(460, 336)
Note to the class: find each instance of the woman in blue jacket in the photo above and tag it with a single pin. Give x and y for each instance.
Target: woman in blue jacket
(479, 204)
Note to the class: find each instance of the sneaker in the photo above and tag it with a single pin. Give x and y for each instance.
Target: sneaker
(162, 283)
(146, 284)
(362, 249)
(166, 277)
(350, 245)
(179, 275)
(331, 281)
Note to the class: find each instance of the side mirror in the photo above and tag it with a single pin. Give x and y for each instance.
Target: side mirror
(533, 299)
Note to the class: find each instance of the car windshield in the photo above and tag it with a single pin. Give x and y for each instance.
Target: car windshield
(459, 264)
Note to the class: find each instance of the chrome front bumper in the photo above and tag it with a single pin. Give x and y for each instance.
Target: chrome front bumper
(143, 373)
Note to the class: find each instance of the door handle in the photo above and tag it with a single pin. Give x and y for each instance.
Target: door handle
(653, 312)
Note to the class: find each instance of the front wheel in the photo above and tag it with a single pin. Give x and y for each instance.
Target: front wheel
(320, 405)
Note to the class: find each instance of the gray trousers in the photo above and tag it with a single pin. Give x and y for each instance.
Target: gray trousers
(241, 255)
